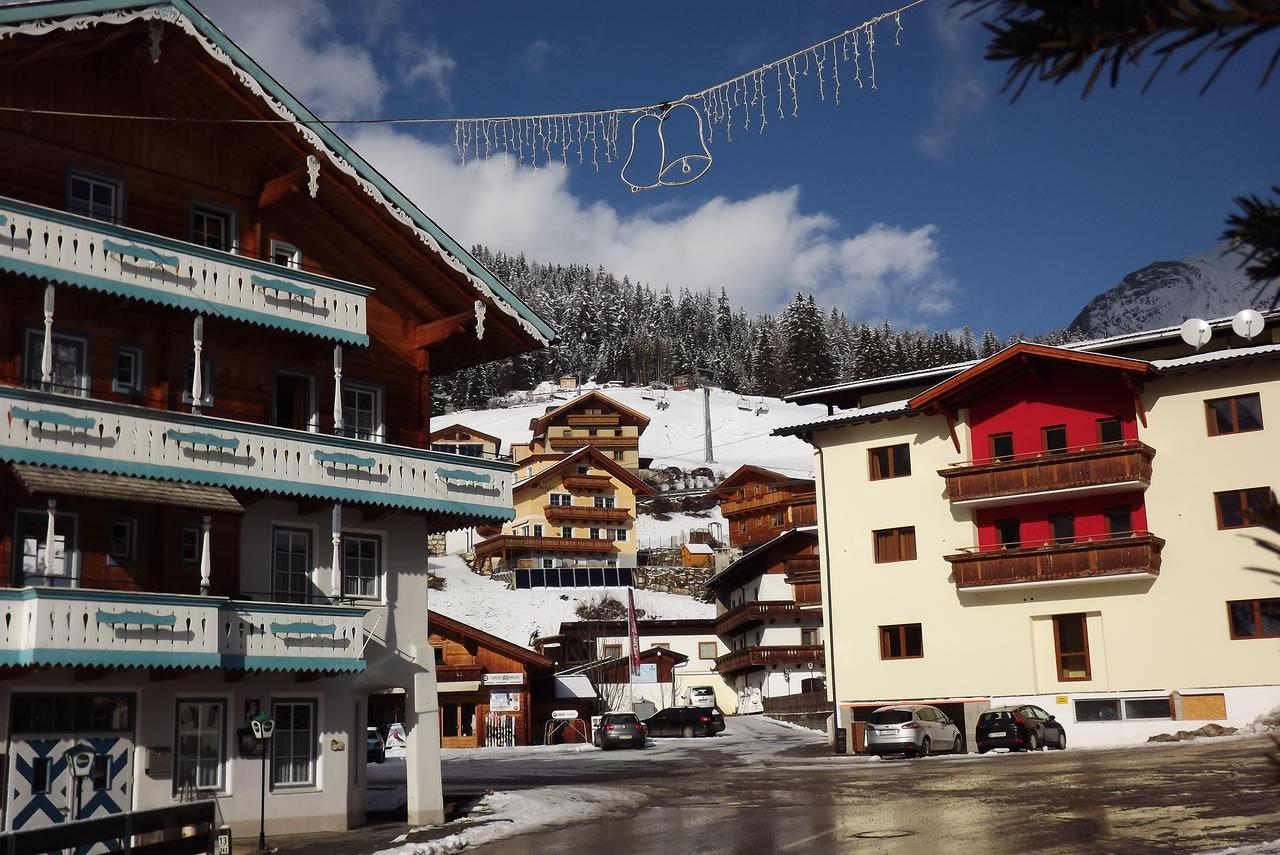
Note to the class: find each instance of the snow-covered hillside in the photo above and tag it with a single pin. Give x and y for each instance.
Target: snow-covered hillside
(520, 615)
(1205, 285)
(674, 436)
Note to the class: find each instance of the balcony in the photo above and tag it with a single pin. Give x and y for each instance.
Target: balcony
(760, 611)
(587, 482)
(84, 434)
(777, 498)
(525, 543)
(596, 420)
(459, 673)
(748, 658)
(114, 629)
(573, 443)
(1059, 563)
(574, 513)
(67, 248)
(1110, 468)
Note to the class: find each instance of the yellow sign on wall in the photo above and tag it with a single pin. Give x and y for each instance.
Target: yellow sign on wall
(1062, 699)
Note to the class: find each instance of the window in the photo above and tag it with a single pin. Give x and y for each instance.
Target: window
(742, 526)
(584, 470)
(1147, 708)
(566, 531)
(1098, 709)
(618, 456)
(32, 564)
(537, 531)
(777, 520)
(613, 651)
(810, 636)
(1002, 446)
(293, 748)
(70, 376)
(1063, 526)
(362, 412)
(1119, 520)
(707, 650)
(1071, 644)
(1234, 415)
(95, 196)
(1110, 430)
(902, 641)
(1116, 709)
(895, 544)
(1235, 506)
(890, 461)
(561, 500)
(206, 382)
(190, 544)
(620, 535)
(548, 563)
(122, 540)
(294, 402)
(286, 255)
(604, 501)
(595, 534)
(200, 750)
(126, 378)
(1009, 532)
(361, 565)
(1055, 439)
(213, 227)
(290, 565)
(1254, 618)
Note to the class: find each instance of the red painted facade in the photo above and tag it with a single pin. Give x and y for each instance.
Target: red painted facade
(1035, 528)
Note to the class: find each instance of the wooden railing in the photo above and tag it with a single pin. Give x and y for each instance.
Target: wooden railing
(798, 566)
(575, 442)
(182, 829)
(587, 513)
(595, 420)
(764, 656)
(1087, 466)
(528, 543)
(758, 611)
(768, 500)
(587, 482)
(1058, 562)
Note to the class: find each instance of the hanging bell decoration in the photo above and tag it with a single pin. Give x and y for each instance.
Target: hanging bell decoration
(673, 171)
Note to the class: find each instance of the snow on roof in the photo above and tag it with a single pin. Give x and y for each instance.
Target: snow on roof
(863, 414)
(699, 549)
(1162, 365)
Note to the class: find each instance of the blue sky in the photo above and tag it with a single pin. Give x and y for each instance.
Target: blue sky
(931, 200)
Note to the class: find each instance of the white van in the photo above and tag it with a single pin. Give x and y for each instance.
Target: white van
(702, 696)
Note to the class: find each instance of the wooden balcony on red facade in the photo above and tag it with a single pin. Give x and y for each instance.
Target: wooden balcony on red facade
(572, 443)
(759, 611)
(1081, 560)
(459, 673)
(1110, 467)
(594, 420)
(587, 482)
(576, 513)
(521, 543)
(767, 500)
(761, 656)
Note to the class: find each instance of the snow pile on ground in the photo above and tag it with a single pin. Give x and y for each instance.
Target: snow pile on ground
(675, 435)
(653, 533)
(508, 814)
(520, 615)
(791, 725)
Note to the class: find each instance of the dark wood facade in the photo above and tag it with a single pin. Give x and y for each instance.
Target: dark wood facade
(1058, 562)
(765, 656)
(1121, 464)
(759, 505)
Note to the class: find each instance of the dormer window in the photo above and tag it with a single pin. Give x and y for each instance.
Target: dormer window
(286, 255)
(213, 227)
(95, 196)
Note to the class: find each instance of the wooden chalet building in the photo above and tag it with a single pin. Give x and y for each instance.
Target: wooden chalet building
(759, 504)
(216, 486)
(574, 523)
(592, 419)
(460, 439)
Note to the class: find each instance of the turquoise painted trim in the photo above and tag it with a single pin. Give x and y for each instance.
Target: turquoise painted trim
(100, 596)
(221, 479)
(170, 244)
(137, 618)
(342, 457)
(181, 301)
(52, 417)
(303, 628)
(3, 219)
(464, 475)
(281, 285)
(291, 663)
(110, 658)
(141, 253)
(200, 438)
(253, 429)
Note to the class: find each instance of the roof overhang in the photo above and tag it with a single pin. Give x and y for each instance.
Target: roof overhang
(125, 488)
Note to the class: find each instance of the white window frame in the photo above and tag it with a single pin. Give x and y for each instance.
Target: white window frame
(292, 255)
(312, 739)
(376, 540)
(211, 209)
(131, 554)
(566, 531)
(33, 354)
(537, 530)
(201, 703)
(379, 431)
(134, 353)
(309, 569)
(117, 189)
(70, 524)
(620, 535)
(561, 500)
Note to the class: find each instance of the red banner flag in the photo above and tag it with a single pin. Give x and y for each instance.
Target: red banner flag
(634, 633)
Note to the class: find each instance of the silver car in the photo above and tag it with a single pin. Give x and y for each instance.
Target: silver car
(915, 730)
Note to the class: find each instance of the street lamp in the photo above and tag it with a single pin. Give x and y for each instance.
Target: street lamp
(264, 727)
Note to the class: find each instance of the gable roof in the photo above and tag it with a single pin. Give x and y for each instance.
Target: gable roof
(747, 473)
(639, 487)
(539, 424)
(43, 18)
(506, 648)
(440, 432)
(750, 564)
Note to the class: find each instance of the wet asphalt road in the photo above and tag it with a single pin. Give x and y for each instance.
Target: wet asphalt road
(797, 799)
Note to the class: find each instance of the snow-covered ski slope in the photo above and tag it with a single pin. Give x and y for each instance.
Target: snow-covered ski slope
(674, 436)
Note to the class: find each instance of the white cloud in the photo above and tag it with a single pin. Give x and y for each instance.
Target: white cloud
(958, 93)
(430, 64)
(761, 249)
(295, 42)
(535, 56)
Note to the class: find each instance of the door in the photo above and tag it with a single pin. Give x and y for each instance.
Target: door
(294, 404)
(290, 565)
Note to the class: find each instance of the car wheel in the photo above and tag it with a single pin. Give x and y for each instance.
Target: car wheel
(596, 742)
(1062, 740)
(957, 747)
(687, 733)
(1033, 744)
(925, 747)
(983, 750)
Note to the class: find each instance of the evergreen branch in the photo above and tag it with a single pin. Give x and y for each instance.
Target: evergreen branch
(1254, 231)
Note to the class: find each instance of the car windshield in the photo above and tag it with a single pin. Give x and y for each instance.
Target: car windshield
(619, 719)
(996, 715)
(890, 716)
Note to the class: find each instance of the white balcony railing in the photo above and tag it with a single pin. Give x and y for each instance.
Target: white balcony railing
(94, 628)
(77, 250)
(77, 433)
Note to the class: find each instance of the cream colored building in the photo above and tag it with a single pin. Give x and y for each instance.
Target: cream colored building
(1059, 526)
(592, 419)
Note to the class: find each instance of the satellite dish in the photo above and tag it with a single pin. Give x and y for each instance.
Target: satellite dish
(1196, 332)
(1247, 323)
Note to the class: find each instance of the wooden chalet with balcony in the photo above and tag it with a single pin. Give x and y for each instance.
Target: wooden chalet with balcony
(216, 480)
(469, 442)
(759, 504)
(592, 419)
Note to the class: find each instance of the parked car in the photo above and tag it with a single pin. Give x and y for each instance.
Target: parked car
(376, 748)
(620, 730)
(702, 696)
(681, 721)
(717, 720)
(1024, 728)
(914, 730)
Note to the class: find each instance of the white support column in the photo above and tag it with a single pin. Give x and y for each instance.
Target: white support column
(337, 388)
(422, 757)
(206, 556)
(46, 356)
(197, 380)
(50, 539)
(335, 583)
